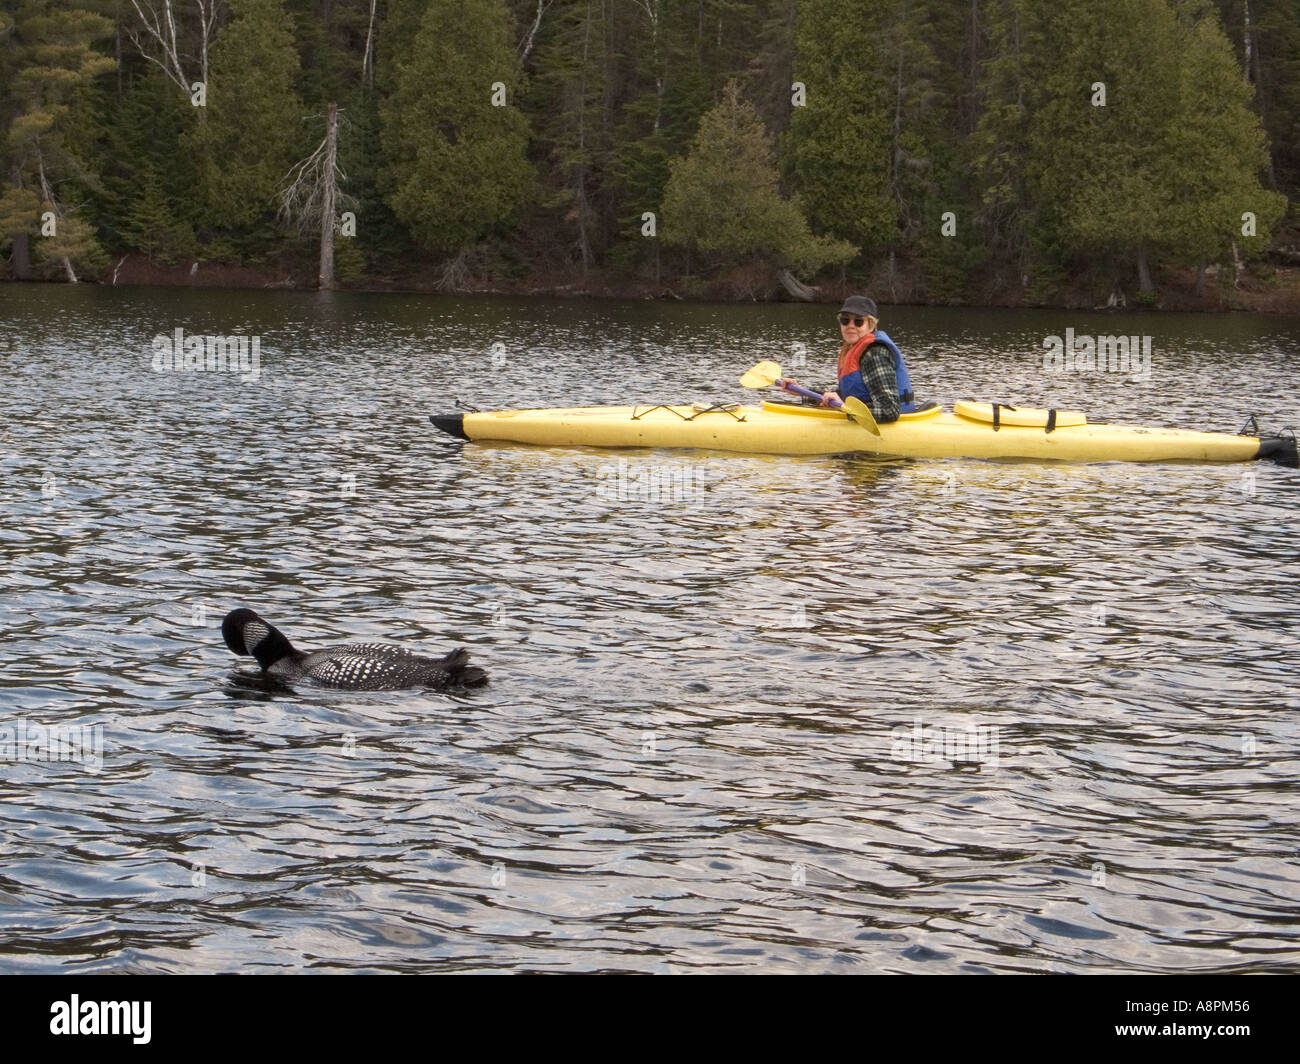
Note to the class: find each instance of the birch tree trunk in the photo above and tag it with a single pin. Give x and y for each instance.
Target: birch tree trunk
(368, 58)
(651, 9)
(48, 195)
(155, 37)
(525, 49)
(1248, 39)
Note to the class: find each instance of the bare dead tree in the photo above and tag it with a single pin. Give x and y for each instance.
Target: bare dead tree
(156, 37)
(455, 274)
(1238, 266)
(329, 194)
(310, 195)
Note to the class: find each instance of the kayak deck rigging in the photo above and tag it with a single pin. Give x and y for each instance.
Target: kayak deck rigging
(697, 408)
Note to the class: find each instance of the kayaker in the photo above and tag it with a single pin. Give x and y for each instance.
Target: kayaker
(870, 366)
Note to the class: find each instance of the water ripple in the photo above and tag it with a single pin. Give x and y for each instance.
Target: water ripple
(705, 743)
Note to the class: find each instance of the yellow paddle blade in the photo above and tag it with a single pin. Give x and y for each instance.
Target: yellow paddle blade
(861, 414)
(764, 375)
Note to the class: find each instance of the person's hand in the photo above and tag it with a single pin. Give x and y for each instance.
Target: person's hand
(784, 382)
(830, 398)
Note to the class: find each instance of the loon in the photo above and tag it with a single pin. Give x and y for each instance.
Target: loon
(354, 667)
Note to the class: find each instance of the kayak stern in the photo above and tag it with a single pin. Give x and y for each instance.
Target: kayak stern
(1280, 448)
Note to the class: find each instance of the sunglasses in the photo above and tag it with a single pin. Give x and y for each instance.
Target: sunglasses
(846, 318)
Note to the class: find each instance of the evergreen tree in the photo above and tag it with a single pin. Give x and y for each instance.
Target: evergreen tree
(48, 67)
(639, 159)
(1265, 36)
(1217, 154)
(572, 90)
(455, 163)
(152, 227)
(20, 213)
(381, 237)
(840, 140)
(666, 86)
(948, 140)
(873, 149)
(999, 146)
(1100, 167)
(331, 41)
(722, 198)
(141, 144)
(73, 246)
(769, 74)
(254, 129)
(1117, 130)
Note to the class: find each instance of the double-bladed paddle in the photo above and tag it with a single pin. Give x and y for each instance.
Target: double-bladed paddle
(766, 374)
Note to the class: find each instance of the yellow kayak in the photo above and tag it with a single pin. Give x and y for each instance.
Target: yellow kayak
(970, 430)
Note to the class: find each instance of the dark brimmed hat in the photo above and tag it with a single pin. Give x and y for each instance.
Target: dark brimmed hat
(859, 305)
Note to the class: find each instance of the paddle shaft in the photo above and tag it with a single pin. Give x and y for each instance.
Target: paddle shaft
(800, 390)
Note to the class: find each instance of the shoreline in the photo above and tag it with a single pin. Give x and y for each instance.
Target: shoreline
(1278, 295)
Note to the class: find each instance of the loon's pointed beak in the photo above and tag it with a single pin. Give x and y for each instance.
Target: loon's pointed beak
(232, 631)
(249, 635)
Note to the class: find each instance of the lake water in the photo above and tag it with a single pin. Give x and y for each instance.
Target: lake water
(814, 715)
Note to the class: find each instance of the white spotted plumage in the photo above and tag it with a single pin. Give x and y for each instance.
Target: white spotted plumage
(354, 666)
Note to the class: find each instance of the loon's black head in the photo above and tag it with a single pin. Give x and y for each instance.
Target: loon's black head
(250, 636)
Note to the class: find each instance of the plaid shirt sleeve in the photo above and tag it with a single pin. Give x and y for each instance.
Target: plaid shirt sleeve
(881, 379)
